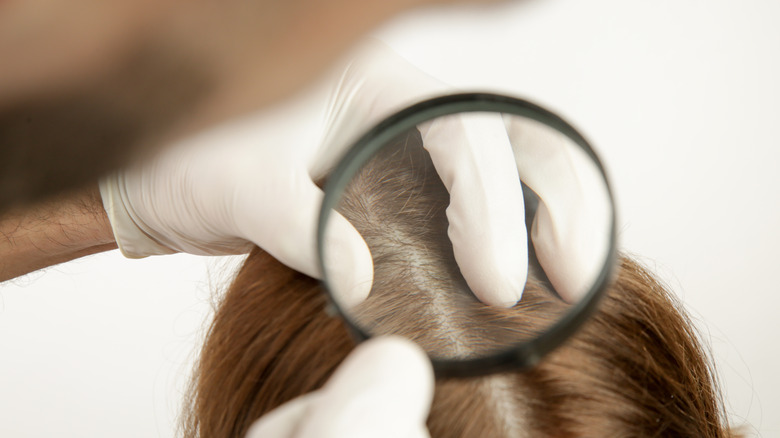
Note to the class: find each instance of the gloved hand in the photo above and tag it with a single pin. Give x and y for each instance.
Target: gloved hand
(245, 182)
(481, 159)
(251, 181)
(472, 156)
(383, 389)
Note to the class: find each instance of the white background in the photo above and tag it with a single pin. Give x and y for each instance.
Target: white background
(681, 99)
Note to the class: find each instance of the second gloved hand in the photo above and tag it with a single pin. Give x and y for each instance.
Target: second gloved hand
(383, 389)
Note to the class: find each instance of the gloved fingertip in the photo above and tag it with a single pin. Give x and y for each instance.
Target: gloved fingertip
(496, 274)
(500, 301)
(383, 389)
(504, 289)
(282, 421)
(572, 280)
(572, 293)
(349, 268)
(388, 358)
(572, 255)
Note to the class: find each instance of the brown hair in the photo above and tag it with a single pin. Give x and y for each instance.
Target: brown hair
(636, 368)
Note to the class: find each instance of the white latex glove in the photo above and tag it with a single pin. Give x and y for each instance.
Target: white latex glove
(251, 181)
(571, 230)
(247, 181)
(383, 389)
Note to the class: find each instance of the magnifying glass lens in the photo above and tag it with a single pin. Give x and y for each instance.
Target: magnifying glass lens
(484, 231)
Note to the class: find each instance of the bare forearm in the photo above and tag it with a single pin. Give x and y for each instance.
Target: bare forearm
(52, 232)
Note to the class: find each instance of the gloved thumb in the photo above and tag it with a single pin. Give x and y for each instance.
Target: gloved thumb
(281, 217)
(383, 390)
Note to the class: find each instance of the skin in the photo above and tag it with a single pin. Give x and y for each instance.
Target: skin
(52, 232)
(89, 85)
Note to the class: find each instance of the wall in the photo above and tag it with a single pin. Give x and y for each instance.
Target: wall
(680, 98)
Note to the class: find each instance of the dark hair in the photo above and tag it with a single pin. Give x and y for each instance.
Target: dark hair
(637, 367)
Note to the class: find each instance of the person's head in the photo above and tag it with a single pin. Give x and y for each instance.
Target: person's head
(635, 369)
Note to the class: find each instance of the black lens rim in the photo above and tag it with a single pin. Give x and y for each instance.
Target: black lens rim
(526, 354)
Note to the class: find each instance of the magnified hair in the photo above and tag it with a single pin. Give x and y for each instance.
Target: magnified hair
(418, 291)
(637, 367)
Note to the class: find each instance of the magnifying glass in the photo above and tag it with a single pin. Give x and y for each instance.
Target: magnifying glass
(387, 187)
